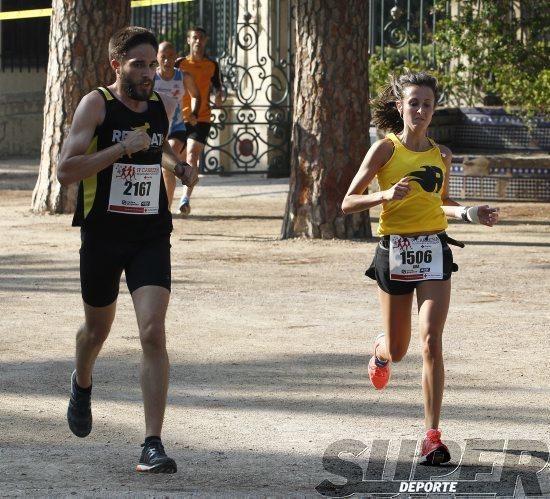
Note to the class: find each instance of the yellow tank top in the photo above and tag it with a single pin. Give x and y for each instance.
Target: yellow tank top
(420, 211)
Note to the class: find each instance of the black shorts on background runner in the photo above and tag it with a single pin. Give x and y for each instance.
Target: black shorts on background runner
(198, 132)
(180, 135)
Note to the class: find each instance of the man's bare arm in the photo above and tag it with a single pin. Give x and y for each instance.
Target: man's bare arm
(74, 162)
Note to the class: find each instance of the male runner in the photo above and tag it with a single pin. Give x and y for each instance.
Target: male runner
(206, 74)
(175, 83)
(114, 149)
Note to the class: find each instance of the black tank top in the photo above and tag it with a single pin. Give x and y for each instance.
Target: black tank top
(128, 199)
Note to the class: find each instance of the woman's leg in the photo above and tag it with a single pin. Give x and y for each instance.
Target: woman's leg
(433, 304)
(393, 344)
(396, 314)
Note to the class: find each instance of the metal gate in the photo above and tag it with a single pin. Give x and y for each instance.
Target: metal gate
(405, 24)
(253, 43)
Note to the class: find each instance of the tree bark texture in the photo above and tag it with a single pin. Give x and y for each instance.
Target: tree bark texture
(330, 134)
(78, 62)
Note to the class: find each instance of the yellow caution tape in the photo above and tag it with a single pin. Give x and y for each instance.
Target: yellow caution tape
(149, 3)
(27, 14)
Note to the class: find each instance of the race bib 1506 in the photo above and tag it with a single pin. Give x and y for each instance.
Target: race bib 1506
(135, 189)
(416, 258)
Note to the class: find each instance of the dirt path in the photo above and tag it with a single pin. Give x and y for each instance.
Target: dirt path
(268, 342)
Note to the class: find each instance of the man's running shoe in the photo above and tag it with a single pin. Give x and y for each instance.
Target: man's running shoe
(154, 460)
(434, 451)
(379, 375)
(79, 413)
(185, 208)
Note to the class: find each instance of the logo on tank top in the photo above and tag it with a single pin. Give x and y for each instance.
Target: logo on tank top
(144, 127)
(157, 139)
(430, 178)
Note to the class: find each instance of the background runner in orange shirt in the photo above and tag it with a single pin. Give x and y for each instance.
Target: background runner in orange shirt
(206, 74)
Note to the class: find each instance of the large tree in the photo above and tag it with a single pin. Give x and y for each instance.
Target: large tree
(330, 133)
(78, 62)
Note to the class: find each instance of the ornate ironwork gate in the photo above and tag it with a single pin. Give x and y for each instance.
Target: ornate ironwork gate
(251, 133)
(253, 43)
(407, 24)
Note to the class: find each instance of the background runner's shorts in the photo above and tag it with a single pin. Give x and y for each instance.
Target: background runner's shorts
(379, 269)
(180, 135)
(145, 263)
(198, 132)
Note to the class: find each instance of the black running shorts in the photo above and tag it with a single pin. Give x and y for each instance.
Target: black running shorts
(198, 132)
(180, 135)
(379, 269)
(145, 263)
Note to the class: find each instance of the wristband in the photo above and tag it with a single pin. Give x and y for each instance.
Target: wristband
(472, 214)
(462, 212)
(124, 150)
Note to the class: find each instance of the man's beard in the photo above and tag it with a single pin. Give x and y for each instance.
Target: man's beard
(132, 88)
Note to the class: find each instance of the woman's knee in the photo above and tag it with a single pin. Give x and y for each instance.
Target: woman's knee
(432, 346)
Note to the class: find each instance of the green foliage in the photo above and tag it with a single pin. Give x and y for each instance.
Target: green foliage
(396, 60)
(486, 50)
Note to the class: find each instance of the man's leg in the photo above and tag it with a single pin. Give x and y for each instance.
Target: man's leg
(169, 178)
(89, 340)
(150, 303)
(194, 150)
(170, 183)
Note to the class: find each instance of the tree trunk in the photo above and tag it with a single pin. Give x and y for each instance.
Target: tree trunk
(78, 62)
(330, 133)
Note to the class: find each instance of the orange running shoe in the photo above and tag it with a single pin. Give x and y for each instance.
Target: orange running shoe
(434, 451)
(379, 376)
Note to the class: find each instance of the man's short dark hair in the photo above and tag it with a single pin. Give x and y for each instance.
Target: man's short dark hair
(197, 28)
(129, 37)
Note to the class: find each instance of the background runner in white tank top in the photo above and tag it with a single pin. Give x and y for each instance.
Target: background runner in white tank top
(175, 88)
(173, 82)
